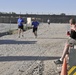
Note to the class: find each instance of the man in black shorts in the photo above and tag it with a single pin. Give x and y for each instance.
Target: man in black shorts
(35, 27)
(48, 21)
(20, 26)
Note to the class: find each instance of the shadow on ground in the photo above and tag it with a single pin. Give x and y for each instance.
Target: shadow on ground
(4, 34)
(26, 58)
(16, 42)
(51, 38)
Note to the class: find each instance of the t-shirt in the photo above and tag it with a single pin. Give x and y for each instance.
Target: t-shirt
(35, 24)
(48, 20)
(73, 34)
(20, 22)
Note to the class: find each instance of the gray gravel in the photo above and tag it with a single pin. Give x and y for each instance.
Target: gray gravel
(30, 56)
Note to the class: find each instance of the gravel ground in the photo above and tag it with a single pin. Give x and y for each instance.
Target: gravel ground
(33, 56)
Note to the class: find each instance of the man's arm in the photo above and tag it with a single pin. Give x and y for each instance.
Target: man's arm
(22, 21)
(75, 28)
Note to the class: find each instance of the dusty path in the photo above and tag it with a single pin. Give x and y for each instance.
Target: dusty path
(30, 56)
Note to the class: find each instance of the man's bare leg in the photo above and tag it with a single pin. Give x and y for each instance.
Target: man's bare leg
(19, 32)
(22, 33)
(35, 33)
(65, 51)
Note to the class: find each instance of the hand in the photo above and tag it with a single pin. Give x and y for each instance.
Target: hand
(68, 33)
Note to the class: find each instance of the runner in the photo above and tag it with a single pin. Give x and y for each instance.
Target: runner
(35, 27)
(20, 22)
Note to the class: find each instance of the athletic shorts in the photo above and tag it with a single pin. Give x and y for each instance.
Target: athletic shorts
(71, 42)
(34, 29)
(21, 27)
(48, 22)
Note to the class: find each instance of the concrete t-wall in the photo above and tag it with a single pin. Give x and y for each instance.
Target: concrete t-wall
(40, 18)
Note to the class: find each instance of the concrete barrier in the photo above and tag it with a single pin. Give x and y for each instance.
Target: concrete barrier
(72, 56)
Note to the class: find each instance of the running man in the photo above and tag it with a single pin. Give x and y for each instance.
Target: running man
(20, 22)
(35, 27)
(48, 21)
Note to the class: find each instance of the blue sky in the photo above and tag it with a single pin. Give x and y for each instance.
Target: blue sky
(39, 6)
